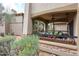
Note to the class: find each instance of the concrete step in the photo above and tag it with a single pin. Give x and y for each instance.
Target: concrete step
(57, 50)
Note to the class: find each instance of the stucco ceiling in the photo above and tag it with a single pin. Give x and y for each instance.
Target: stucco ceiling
(59, 16)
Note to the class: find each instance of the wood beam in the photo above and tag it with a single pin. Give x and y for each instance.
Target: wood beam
(41, 19)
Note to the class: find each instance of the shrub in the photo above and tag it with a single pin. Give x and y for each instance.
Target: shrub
(2, 34)
(27, 46)
(7, 38)
(5, 45)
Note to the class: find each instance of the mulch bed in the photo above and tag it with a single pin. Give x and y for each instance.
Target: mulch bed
(71, 42)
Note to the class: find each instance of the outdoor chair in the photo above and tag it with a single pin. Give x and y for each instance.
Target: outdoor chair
(63, 36)
(73, 37)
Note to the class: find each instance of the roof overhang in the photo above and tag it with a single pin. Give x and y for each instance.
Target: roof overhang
(67, 8)
(56, 17)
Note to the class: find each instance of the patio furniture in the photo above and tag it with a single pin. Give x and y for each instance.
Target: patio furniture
(60, 37)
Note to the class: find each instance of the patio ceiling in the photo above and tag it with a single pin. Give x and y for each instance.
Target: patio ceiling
(57, 16)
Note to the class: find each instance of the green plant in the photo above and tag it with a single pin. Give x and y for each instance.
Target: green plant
(27, 46)
(8, 19)
(5, 44)
(7, 38)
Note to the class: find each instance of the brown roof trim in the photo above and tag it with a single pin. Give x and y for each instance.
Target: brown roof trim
(19, 14)
(14, 10)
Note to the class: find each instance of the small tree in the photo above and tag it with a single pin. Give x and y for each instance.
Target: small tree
(8, 18)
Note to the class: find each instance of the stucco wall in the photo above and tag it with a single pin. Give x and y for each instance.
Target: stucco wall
(19, 18)
(2, 26)
(61, 27)
(38, 7)
(2, 29)
(16, 27)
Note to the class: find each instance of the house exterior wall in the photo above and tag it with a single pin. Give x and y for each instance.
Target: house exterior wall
(16, 26)
(58, 27)
(2, 28)
(16, 29)
(2, 24)
(19, 18)
(61, 27)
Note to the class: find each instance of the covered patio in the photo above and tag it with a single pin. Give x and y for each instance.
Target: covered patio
(57, 26)
(57, 32)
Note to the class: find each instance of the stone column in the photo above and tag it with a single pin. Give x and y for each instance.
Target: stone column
(76, 28)
(46, 27)
(27, 25)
